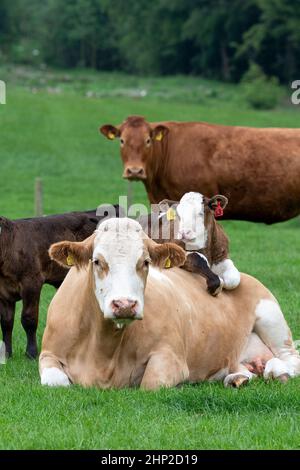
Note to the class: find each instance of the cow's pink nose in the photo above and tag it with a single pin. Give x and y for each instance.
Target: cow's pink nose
(135, 172)
(124, 308)
(187, 234)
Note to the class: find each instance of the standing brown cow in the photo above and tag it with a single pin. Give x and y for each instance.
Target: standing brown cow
(258, 170)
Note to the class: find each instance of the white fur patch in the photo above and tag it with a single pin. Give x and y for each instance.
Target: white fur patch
(192, 229)
(54, 377)
(270, 319)
(228, 272)
(2, 353)
(120, 242)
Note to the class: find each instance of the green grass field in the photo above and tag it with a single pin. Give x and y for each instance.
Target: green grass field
(55, 136)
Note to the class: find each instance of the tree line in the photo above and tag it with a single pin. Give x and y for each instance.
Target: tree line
(217, 39)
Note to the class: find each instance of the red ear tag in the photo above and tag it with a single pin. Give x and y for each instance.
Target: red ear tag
(218, 210)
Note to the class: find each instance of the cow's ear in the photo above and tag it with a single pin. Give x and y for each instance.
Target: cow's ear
(70, 254)
(165, 204)
(110, 132)
(159, 132)
(166, 255)
(216, 201)
(168, 207)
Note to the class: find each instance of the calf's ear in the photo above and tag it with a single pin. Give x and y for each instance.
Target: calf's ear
(110, 132)
(72, 253)
(159, 132)
(165, 204)
(167, 255)
(213, 202)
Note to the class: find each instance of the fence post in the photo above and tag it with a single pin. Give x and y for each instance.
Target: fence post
(38, 198)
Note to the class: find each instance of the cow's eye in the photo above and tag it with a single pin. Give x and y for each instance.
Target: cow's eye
(96, 262)
(148, 141)
(122, 141)
(147, 262)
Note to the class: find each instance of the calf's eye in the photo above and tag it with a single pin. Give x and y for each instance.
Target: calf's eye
(96, 262)
(148, 141)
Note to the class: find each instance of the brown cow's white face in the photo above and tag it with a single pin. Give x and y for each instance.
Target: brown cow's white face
(120, 253)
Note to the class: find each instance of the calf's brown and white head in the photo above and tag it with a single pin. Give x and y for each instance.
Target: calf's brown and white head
(119, 254)
(137, 138)
(196, 215)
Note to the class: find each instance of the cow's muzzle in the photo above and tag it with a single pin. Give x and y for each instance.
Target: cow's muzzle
(134, 173)
(186, 234)
(124, 309)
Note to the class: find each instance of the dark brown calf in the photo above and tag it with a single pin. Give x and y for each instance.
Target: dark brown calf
(25, 266)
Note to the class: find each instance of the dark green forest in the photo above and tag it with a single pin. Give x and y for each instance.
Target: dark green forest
(217, 39)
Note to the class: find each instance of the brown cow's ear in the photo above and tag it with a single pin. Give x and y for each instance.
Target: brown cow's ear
(213, 202)
(72, 253)
(167, 255)
(159, 132)
(110, 132)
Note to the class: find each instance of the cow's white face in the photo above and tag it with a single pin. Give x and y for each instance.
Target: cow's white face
(119, 254)
(120, 266)
(191, 212)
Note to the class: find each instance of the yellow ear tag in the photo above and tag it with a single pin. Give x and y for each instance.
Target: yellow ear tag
(168, 263)
(171, 214)
(159, 136)
(70, 260)
(111, 136)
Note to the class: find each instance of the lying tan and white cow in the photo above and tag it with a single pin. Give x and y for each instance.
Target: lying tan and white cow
(105, 329)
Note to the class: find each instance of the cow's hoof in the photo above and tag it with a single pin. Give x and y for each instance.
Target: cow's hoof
(215, 288)
(283, 378)
(31, 354)
(277, 369)
(236, 380)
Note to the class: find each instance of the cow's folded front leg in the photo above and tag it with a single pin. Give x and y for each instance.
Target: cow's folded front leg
(51, 371)
(198, 263)
(164, 369)
(228, 273)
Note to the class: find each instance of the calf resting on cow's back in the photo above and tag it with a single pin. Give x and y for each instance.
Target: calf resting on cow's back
(191, 224)
(25, 266)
